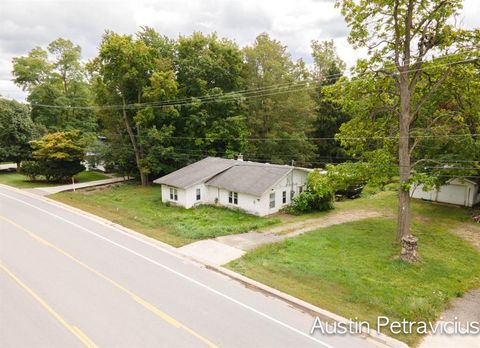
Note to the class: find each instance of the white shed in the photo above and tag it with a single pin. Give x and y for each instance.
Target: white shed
(465, 192)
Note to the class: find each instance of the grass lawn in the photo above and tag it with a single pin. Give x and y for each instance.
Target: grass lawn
(351, 269)
(21, 181)
(141, 209)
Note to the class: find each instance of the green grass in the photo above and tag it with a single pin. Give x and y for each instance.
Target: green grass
(352, 269)
(141, 209)
(21, 181)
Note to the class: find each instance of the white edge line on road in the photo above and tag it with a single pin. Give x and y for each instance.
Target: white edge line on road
(174, 272)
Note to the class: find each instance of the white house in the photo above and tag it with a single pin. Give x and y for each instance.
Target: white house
(461, 192)
(256, 188)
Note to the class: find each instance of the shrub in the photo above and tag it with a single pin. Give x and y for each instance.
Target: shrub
(318, 196)
(58, 155)
(31, 169)
(60, 171)
(309, 201)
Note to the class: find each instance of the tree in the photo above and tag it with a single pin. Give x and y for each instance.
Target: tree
(16, 130)
(281, 116)
(213, 123)
(328, 69)
(58, 155)
(328, 66)
(130, 73)
(59, 94)
(400, 35)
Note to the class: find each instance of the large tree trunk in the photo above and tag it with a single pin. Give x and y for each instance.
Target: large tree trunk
(136, 150)
(403, 225)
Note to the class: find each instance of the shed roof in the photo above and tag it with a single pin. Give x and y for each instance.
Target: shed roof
(250, 178)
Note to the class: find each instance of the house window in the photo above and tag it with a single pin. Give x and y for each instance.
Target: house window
(233, 197)
(300, 189)
(284, 197)
(272, 200)
(173, 194)
(198, 194)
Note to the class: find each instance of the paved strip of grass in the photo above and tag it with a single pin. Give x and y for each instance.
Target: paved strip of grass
(21, 181)
(141, 209)
(352, 269)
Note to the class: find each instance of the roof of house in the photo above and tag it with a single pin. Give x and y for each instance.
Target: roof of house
(240, 176)
(249, 178)
(472, 180)
(196, 172)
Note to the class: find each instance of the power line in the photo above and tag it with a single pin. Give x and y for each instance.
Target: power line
(256, 157)
(324, 138)
(248, 93)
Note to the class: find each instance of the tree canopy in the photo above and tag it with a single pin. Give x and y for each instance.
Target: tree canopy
(55, 80)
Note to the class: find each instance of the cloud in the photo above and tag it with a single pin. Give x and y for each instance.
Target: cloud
(25, 24)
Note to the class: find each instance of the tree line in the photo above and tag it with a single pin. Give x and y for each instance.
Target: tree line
(227, 100)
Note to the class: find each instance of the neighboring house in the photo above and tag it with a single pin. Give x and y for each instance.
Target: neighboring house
(93, 158)
(464, 192)
(256, 188)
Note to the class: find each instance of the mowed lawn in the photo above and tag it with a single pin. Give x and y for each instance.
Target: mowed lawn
(352, 269)
(141, 209)
(21, 181)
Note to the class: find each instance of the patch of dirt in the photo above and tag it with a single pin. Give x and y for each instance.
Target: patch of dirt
(470, 233)
(250, 240)
(332, 219)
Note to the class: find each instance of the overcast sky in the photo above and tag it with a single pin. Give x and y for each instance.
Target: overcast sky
(25, 24)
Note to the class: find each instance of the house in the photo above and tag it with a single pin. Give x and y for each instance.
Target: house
(256, 188)
(464, 192)
(93, 159)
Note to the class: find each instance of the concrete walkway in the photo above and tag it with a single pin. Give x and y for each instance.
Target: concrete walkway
(211, 252)
(45, 191)
(222, 250)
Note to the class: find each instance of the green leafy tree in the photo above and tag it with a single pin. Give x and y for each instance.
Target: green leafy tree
(281, 117)
(16, 130)
(213, 123)
(59, 155)
(400, 35)
(130, 73)
(328, 69)
(58, 91)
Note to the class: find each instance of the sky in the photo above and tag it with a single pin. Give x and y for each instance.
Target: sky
(25, 24)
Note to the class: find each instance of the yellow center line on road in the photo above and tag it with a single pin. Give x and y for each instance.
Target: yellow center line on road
(87, 342)
(135, 297)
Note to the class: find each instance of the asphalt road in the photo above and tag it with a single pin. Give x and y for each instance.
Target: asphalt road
(67, 280)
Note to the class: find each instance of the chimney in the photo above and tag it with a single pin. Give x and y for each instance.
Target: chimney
(240, 157)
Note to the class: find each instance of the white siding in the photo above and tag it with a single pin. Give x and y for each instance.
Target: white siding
(246, 202)
(182, 200)
(455, 192)
(291, 182)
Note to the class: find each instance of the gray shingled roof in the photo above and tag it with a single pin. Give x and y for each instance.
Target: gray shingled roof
(249, 177)
(197, 172)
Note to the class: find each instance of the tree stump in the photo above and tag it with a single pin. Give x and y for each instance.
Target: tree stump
(409, 249)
